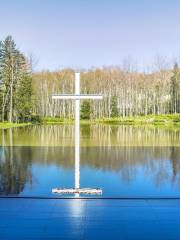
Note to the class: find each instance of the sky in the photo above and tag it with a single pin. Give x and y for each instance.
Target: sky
(93, 33)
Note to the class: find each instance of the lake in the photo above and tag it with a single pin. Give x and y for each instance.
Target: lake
(124, 161)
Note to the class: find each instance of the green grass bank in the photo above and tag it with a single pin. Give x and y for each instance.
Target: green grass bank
(6, 125)
(170, 119)
(158, 120)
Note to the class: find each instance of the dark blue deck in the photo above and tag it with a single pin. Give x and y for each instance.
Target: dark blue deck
(89, 219)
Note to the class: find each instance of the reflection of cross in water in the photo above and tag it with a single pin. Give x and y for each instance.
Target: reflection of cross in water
(77, 97)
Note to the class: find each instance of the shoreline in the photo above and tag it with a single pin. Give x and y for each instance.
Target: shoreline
(7, 125)
(169, 120)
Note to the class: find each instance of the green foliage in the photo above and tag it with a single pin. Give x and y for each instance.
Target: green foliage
(137, 95)
(15, 80)
(85, 110)
(56, 120)
(36, 119)
(114, 109)
(163, 119)
(23, 99)
(6, 125)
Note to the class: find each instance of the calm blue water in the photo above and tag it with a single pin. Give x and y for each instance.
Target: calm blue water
(123, 161)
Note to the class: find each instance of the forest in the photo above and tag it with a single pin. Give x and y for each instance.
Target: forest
(25, 95)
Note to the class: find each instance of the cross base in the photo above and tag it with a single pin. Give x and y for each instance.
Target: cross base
(89, 191)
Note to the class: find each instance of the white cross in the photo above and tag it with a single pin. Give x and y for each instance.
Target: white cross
(77, 97)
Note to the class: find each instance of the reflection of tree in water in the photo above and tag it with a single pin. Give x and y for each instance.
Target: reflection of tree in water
(14, 169)
(175, 163)
(154, 162)
(128, 173)
(96, 135)
(119, 149)
(160, 165)
(129, 162)
(85, 131)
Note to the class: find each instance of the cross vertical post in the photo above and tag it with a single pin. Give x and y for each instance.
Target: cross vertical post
(77, 97)
(77, 131)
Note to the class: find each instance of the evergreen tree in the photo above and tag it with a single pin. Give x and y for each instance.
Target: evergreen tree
(23, 101)
(14, 71)
(114, 109)
(8, 70)
(23, 94)
(85, 110)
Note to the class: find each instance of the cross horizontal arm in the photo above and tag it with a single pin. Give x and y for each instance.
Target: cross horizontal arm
(77, 97)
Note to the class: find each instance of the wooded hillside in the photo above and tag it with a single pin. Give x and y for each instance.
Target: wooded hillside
(125, 93)
(25, 95)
